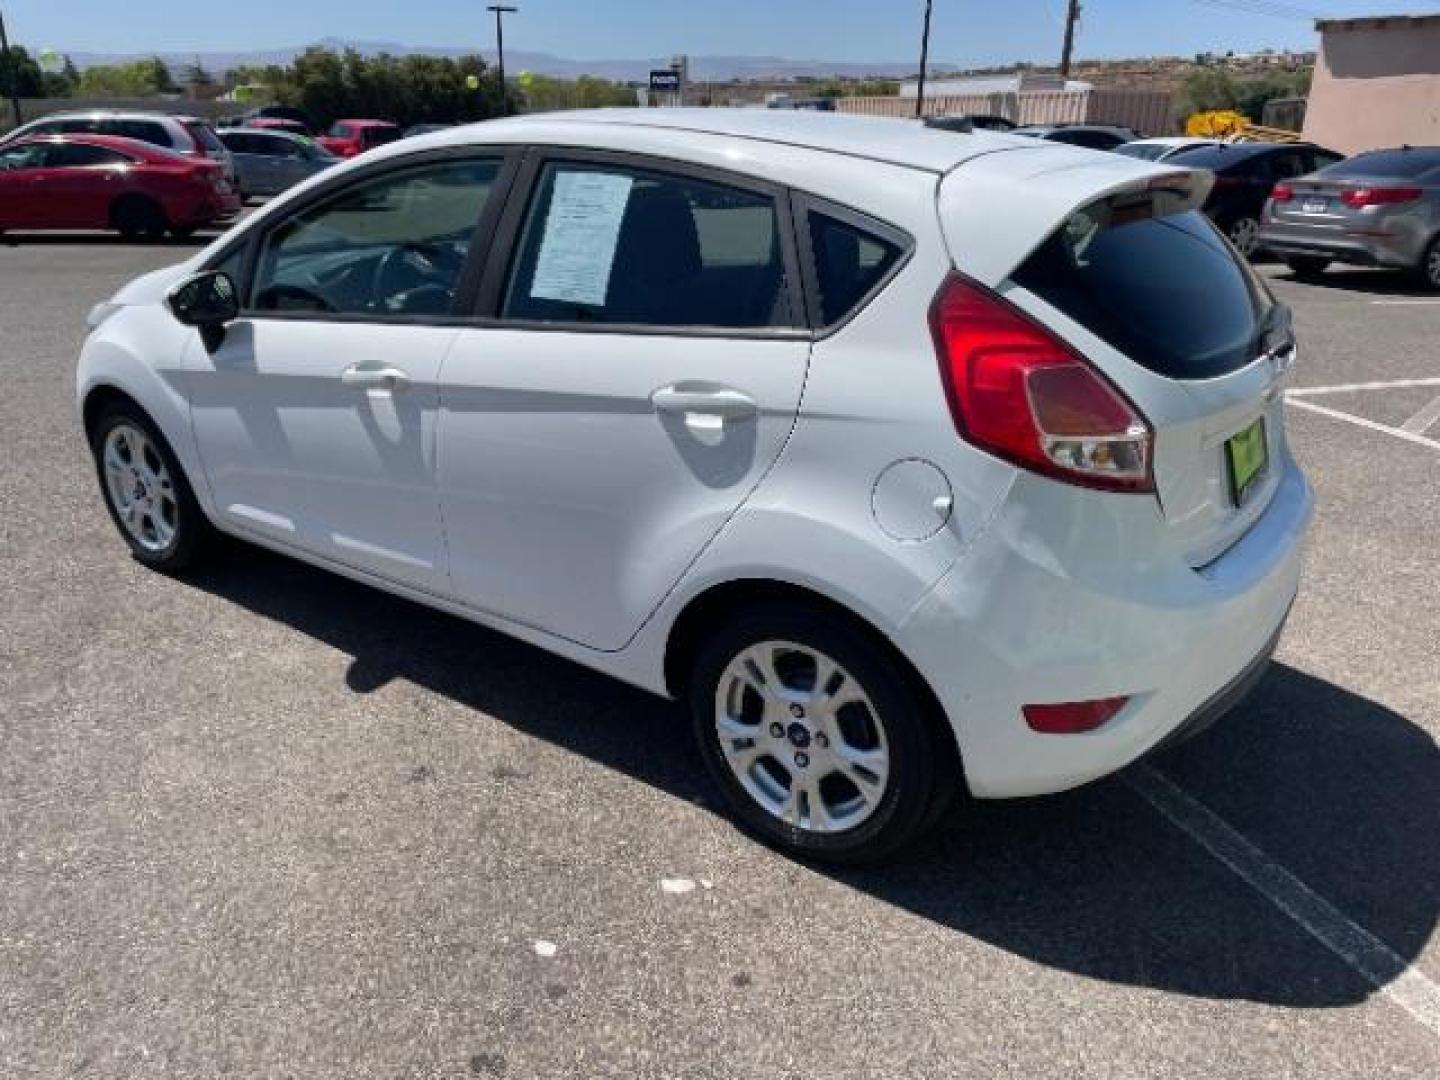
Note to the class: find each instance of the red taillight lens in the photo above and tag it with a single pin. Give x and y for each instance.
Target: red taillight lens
(1282, 193)
(1019, 392)
(1378, 196)
(1072, 717)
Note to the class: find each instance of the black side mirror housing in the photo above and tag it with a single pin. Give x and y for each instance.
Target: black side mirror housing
(207, 302)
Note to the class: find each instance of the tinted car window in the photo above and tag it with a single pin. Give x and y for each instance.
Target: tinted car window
(203, 136)
(238, 142)
(75, 155)
(1217, 158)
(387, 246)
(1410, 164)
(379, 136)
(22, 157)
(1165, 290)
(613, 245)
(1143, 151)
(340, 131)
(1094, 140)
(849, 262)
(144, 130)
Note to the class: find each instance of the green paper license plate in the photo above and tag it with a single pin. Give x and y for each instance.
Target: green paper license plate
(1246, 455)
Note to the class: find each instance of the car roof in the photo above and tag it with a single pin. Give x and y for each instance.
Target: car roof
(906, 143)
(1177, 140)
(367, 123)
(112, 114)
(264, 132)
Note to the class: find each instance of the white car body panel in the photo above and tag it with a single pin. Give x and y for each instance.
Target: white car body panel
(523, 480)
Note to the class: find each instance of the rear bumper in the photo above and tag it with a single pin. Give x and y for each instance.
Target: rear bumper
(1092, 607)
(1398, 250)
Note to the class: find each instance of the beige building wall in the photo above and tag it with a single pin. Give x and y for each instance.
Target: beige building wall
(1377, 83)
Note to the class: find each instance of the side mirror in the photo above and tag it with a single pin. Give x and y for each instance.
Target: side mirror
(207, 302)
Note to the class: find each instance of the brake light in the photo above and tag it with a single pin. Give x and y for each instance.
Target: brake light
(1072, 717)
(1019, 392)
(1378, 196)
(1282, 193)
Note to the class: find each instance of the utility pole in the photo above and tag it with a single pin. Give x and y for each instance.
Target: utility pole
(1072, 15)
(10, 67)
(501, 10)
(924, 60)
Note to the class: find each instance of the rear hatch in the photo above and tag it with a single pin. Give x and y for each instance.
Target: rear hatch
(1112, 256)
(209, 144)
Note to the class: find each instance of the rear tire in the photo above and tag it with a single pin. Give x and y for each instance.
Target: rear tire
(1307, 267)
(1244, 233)
(817, 739)
(146, 491)
(1430, 265)
(138, 217)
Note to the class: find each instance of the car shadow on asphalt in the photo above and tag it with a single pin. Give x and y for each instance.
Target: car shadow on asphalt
(102, 239)
(1342, 791)
(1377, 282)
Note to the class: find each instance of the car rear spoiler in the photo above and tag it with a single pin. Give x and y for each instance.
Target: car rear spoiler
(997, 208)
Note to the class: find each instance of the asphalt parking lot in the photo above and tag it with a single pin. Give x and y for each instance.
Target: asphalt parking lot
(266, 822)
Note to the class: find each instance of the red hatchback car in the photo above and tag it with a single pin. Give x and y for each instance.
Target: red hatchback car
(346, 138)
(109, 182)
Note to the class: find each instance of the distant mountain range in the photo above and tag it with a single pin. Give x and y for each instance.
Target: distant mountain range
(702, 68)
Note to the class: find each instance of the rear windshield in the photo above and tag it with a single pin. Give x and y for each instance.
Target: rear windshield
(1217, 158)
(1164, 289)
(1410, 164)
(203, 136)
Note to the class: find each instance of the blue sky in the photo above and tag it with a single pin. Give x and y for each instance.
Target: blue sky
(968, 32)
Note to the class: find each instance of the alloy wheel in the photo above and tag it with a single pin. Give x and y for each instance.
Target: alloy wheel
(802, 737)
(1245, 235)
(140, 488)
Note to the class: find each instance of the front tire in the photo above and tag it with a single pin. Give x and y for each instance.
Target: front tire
(1430, 265)
(146, 492)
(818, 740)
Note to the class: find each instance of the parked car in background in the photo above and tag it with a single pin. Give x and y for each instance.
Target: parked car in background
(425, 129)
(285, 112)
(916, 462)
(186, 135)
(346, 138)
(107, 182)
(1379, 208)
(1244, 175)
(1092, 136)
(970, 122)
(1162, 147)
(276, 123)
(268, 161)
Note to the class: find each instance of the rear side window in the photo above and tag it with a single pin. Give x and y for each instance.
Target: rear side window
(203, 136)
(850, 262)
(76, 155)
(609, 244)
(1409, 164)
(1165, 290)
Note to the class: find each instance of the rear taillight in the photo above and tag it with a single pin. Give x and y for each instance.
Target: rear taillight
(1072, 717)
(1019, 392)
(1378, 196)
(1282, 193)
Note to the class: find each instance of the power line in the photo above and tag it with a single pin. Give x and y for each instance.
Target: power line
(1271, 8)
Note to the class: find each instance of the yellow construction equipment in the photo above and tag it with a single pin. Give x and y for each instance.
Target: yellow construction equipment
(1235, 127)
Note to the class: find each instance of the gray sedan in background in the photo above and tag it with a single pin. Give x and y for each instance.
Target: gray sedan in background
(1379, 208)
(268, 162)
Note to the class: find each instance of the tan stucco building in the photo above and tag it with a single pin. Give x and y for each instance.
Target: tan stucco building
(1377, 83)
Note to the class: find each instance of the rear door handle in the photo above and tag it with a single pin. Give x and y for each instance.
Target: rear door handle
(720, 402)
(381, 378)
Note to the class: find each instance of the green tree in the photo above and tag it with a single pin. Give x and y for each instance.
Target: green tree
(20, 74)
(196, 75)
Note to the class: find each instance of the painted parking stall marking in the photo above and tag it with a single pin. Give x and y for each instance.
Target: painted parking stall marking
(1411, 431)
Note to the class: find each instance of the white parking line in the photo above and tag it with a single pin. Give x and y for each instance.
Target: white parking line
(1422, 420)
(1362, 951)
(1360, 421)
(1404, 303)
(1350, 388)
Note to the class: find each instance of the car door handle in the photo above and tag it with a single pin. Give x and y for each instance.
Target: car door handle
(381, 378)
(713, 401)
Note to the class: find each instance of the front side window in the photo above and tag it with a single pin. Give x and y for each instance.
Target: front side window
(340, 131)
(78, 155)
(393, 245)
(30, 156)
(614, 245)
(849, 263)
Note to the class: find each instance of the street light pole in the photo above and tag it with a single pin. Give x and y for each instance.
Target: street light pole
(924, 60)
(11, 69)
(501, 10)
(1071, 15)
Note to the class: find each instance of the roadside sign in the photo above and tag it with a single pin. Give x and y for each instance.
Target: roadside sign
(664, 81)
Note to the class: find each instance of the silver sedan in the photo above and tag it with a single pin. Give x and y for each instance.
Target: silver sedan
(1380, 208)
(269, 162)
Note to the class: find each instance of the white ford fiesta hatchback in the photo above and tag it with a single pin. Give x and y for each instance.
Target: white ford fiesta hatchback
(915, 462)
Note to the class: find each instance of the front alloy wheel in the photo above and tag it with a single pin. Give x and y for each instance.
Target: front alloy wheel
(821, 741)
(1244, 233)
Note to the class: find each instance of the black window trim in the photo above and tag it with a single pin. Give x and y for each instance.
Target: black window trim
(481, 240)
(487, 310)
(803, 204)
